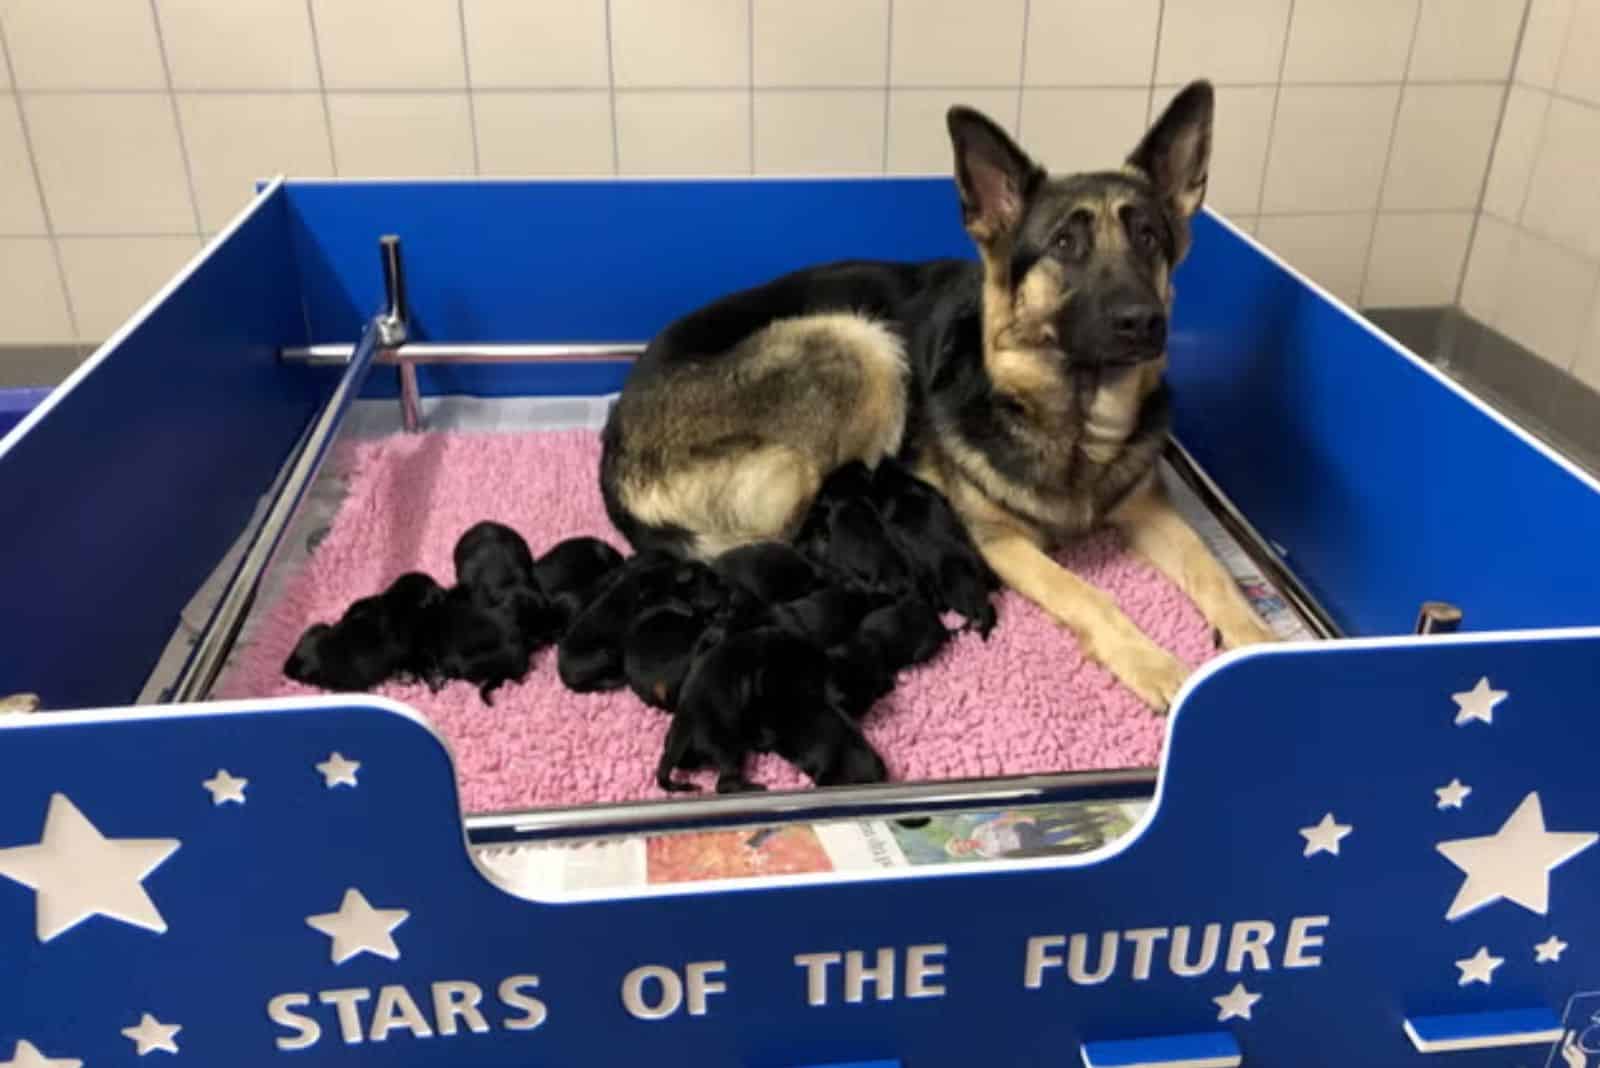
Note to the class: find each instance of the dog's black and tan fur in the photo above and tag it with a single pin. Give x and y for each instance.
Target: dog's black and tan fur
(1026, 386)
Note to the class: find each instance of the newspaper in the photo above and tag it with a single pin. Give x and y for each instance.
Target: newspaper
(549, 870)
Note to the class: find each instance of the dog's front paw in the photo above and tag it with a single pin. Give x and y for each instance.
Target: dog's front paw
(1152, 673)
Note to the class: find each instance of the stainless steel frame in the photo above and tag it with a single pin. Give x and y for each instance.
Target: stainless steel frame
(385, 342)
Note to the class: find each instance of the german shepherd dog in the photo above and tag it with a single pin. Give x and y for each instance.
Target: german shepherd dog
(1027, 386)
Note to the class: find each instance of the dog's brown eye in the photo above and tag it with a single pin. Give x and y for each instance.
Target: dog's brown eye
(1070, 242)
(1149, 240)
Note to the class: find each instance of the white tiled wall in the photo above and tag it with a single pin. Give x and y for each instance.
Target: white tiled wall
(1353, 135)
(1534, 270)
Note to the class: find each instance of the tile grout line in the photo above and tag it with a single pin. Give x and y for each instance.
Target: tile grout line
(44, 203)
(750, 75)
(1022, 64)
(1155, 66)
(322, 86)
(611, 95)
(1272, 119)
(888, 71)
(466, 70)
(1538, 150)
(177, 119)
(1488, 169)
(1388, 156)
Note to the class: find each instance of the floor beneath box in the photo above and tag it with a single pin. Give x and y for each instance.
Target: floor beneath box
(1024, 701)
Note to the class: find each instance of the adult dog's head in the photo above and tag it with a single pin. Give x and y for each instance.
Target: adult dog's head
(1078, 267)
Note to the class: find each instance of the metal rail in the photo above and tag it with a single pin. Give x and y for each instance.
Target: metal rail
(432, 352)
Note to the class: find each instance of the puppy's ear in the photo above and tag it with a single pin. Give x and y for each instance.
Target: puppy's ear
(995, 177)
(1176, 153)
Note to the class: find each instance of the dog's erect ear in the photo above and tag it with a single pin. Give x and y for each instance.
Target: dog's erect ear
(995, 177)
(1176, 153)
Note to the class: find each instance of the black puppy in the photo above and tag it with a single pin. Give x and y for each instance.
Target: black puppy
(487, 628)
(571, 574)
(832, 614)
(376, 639)
(844, 532)
(763, 690)
(659, 649)
(903, 634)
(769, 570)
(590, 655)
(935, 542)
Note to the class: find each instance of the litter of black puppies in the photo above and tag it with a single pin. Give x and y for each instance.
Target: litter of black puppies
(772, 647)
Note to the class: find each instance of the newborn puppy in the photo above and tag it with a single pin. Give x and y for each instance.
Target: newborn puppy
(932, 538)
(769, 570)
(378, 638)
(491, 556)
(659, 650)
(571, 574)
(483, 638)
(762, 690)
(844, 532)
(591, 653)
(832, 614)
(904, 633)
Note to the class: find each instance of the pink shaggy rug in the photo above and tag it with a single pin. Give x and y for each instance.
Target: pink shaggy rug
(1024, 701)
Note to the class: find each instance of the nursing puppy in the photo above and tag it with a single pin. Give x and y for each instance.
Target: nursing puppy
(590, 656)
(378, 638)
(950, 571)
(1027, 387)
(571, 574)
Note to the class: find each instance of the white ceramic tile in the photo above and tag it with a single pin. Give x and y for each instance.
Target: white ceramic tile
(544, 133)
(242, 44)
(1223, 40)
(683, 133)
(1091, 42)
(1330, 249)
(683, 43)
(1546, 300)
(1587, 365)
(376, 44)
(1328, 148)
(1349, 40)
(236, 138)
(1564, 194)
(401, 134)
(919, 140)
(1247, 223)
(1521, 127)
(956, 42)
(113, 277)
(821, 42)
(83, 44)
(20, 212)
(1487, 263)
(110, 164)
(1543, 40)
(5, 70)
(1579, 74)
(1238, 144)
(821, 131)
(1441, 147)
(1416, 259)
(1466, 40)
(33, 306)
(529, 44)
(1083, 129)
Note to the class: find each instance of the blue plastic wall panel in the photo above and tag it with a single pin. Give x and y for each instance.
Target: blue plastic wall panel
(1385, 486)
(15, 404)
(588, 261)
(1347, 837)
(138, 475)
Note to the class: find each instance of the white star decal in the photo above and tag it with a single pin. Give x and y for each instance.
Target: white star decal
(1513, 863)
(1452, 795)
(225, 787)
(359, 928)
(152, 1034)
(1479, 968)
(1235, 1003)
(1477, 703)
(27, 1056)
(76, 872)
(1325, 836)
(337, 771)
(1549, 950)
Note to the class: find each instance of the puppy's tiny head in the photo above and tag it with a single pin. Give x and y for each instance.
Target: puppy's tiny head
(305, 660)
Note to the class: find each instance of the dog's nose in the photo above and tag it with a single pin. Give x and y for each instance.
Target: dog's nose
(1139, 324)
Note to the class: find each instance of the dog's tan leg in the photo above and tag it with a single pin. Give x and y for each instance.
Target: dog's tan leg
(1104, 632)
(1156, 531)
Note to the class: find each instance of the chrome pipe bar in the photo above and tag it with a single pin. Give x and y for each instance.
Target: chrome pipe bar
(440, 352)
(222, 629)
(882, 801)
